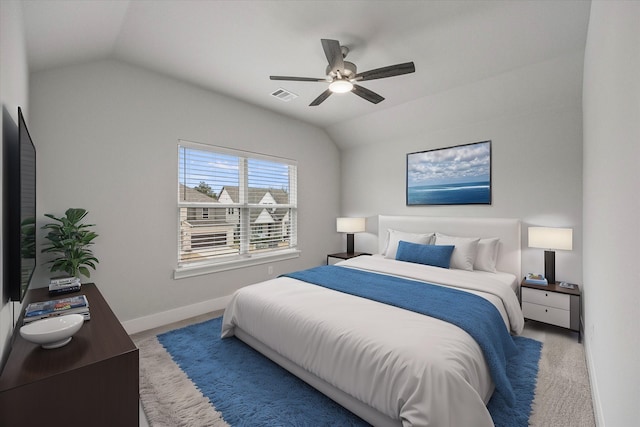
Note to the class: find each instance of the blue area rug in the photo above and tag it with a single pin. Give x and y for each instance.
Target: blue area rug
(249, 389)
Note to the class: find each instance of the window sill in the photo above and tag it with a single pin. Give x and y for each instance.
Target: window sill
(198, 270)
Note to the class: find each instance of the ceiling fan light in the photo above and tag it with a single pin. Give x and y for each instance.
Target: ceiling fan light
(341, 86)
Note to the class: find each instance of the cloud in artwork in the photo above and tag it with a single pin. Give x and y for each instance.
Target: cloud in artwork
(467, 163)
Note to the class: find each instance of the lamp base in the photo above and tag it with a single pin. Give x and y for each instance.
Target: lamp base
(550, 266)
(350, 243)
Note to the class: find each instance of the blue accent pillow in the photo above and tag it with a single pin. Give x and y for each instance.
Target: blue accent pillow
(437, 256)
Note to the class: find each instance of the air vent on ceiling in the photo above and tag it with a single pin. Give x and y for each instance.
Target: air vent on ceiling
(284, 95)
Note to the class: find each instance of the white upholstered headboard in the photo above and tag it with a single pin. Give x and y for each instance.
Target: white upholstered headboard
(506, 229)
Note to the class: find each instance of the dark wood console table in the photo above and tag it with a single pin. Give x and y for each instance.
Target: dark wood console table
(92, 381)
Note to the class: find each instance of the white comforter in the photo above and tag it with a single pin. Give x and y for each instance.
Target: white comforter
(410, 367)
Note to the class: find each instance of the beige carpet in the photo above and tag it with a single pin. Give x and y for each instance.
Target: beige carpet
(168, 396)
(563, 394)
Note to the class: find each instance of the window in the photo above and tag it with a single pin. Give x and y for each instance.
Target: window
(235, 208)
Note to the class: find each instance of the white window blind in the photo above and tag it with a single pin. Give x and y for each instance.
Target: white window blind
(233, 205)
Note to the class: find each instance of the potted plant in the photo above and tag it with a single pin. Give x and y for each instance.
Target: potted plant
(70, 240)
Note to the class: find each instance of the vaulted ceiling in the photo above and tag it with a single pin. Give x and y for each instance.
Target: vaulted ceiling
(232, 47)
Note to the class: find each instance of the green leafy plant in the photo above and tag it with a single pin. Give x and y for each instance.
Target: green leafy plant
(70, 240)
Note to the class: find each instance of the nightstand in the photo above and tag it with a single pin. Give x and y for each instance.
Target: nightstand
(333, 258)
(552, 304)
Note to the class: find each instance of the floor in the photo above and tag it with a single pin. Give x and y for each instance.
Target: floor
(535, 330)
(143, 418)
(539, 331)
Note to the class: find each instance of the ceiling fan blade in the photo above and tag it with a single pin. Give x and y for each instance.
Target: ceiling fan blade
(319, 100)
(298, 79)
(334, 54)
(390, 71)
(365, 93)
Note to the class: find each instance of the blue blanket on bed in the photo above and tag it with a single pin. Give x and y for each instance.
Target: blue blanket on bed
(474, 314)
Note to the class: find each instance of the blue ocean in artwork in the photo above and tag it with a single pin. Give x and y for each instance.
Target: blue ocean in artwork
(450, 194)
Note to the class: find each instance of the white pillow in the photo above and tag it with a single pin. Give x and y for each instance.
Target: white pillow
(487, 255)
(465, 251)
(394, 237)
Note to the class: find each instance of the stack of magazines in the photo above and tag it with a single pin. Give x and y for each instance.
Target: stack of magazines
(535, 279)
(63, 285)
(73, 305)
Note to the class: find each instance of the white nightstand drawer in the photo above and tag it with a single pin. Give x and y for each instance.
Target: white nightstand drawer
(541, 313)
(332, 260)
(546, 298)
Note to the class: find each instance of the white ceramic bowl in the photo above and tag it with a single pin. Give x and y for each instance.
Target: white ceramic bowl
(53, 332)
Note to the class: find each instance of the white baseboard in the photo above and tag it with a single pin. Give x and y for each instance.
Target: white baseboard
(593, 381)
(174, 315)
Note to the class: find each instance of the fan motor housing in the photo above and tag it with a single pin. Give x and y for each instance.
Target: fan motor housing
(349, 71)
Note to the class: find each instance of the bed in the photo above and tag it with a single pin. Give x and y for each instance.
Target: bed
(388, 364)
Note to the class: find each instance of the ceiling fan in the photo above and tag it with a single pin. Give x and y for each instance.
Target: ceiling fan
(342, 75)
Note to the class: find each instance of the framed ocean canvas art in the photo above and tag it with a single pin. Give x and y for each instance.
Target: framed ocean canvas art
(459, 175)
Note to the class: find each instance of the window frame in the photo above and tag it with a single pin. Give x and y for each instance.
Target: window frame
(244, 258)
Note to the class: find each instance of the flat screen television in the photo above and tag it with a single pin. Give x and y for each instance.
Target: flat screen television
(19, 206)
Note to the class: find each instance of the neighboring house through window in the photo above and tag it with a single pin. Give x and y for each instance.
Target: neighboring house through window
(235, 208)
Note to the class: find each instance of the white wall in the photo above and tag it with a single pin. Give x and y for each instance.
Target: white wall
(533, 118)
(612, 210)
(14, 80)
(107, 135)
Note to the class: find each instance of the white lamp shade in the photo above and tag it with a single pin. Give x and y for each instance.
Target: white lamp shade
(351, 225)
(551, 238)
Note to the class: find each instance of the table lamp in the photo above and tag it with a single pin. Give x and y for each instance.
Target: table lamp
(550, 239)
(350, 226)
